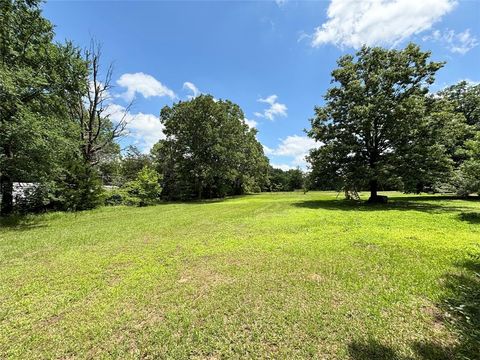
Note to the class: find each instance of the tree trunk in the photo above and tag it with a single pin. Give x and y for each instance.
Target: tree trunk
(6, 188)
(374, 197)
(373, 191)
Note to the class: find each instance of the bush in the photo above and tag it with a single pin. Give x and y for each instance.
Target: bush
(35, 198)
(467, 178)
(114, 197)
(79, 189)
(146, 187)
(144, 190)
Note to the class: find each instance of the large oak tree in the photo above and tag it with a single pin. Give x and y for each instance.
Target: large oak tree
(376, 125)
(209, 150)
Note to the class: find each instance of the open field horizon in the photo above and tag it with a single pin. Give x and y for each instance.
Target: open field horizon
(274, 275)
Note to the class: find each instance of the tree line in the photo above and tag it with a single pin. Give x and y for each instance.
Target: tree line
(379, 129)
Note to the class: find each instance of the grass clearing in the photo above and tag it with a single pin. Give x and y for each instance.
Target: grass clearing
(281, 275)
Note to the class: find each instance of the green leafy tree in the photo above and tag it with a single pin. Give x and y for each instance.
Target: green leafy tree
(209, 151)
(38, 78)
(133, 162)
(277, 180)
(281, 180)
(461, 136)
(146, 187)
(467, 177)
(295, 179)
(375, 122)
(466, 100)
(79, 187)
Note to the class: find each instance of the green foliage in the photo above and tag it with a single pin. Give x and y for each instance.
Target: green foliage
(376, 123)
(133, 162)
(144, 190)
(37, 79)
(35, 199)
(116, 196)
(145, 187)
(280, 180)
(467, 177)
(209, 151)
(79, 188)
(463, 139)
(466, 99)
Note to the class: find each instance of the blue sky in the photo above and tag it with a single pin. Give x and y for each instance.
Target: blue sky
(273, 58)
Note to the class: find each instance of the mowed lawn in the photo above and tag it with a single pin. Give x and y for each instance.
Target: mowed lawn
(282, 275)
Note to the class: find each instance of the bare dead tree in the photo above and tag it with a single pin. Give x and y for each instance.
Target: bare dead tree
(97, 129)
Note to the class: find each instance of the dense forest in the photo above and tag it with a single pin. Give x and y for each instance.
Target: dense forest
(380, 128)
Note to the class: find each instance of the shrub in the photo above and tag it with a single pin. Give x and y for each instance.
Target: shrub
(79, 189)
(146, 187)
(144, 190)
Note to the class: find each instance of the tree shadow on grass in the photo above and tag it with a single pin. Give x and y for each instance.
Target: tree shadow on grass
(370, 350)
(399, 204)
(374, 350)
(21, 223)
(461, 303)
(470, 217)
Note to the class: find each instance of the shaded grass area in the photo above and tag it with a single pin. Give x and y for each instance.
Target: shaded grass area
(264, 276)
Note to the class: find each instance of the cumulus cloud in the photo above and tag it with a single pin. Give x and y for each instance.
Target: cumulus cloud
(143, 84)
(459, 43)
(294, 147)
(275, 109)
(267, 150)
(353, 23)
(191, 87)
(250, 123)
(145, 129)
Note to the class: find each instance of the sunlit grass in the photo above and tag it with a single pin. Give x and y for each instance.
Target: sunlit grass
(271, 275)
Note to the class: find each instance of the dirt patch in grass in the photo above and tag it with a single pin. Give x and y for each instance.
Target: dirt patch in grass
(317, 278)
(204, 277)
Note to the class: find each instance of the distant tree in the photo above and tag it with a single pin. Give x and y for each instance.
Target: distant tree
(38, 78)
(92, 113)
(92, 110)
(285, 180)
(375, 122)
(209, 150)
(466, 100)
(133, 162)
(295, 179)
(461, 136)
(146, 187)
(467, 176)
(278, 180)
(110, 169)
(79, 187)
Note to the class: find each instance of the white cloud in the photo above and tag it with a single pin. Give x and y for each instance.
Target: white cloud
(143, 84)
(267, 150)
(275, 109)
(284, 167)
(353, 23)
(190, 86)
(459, 43)
(145, 129)
(297, 147)
(294, 147)
(250, 123)
(280, 3)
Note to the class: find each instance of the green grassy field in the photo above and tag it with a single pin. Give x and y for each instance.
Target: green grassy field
(282, 275)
